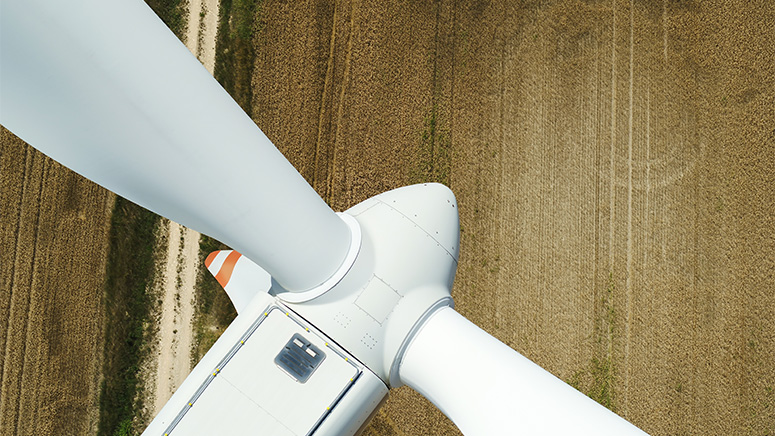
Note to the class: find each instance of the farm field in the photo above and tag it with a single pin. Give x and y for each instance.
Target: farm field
(54, 229)
(614, 164)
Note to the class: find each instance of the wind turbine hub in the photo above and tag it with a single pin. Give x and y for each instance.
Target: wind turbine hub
(401, 275)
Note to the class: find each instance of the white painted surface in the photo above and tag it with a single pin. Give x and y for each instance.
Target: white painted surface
(485, 387)
(245, 280)
(251, 393)
(404, 268)
(116, 106)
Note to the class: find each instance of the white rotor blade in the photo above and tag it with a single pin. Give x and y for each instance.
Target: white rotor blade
(486, 388)
(106, 89)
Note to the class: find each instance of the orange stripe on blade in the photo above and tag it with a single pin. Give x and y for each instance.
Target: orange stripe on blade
(224, 275)
(210, 258)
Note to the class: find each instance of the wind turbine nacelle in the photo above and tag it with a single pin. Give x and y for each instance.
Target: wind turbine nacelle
(401, 274)
(339, 304)
(319, 361)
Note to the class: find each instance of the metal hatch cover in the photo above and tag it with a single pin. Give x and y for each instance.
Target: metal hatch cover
(299, 358)
(252, 393)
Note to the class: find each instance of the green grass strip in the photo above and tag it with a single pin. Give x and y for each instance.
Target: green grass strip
(130, 270)
(174, 13)
(239, 23)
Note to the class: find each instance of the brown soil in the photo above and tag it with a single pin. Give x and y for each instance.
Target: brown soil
(54, 232)
(614, 164)
(613, 161)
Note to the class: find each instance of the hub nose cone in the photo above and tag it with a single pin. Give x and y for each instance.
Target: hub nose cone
(432, 207)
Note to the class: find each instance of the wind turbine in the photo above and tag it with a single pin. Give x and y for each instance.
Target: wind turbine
(333, 308)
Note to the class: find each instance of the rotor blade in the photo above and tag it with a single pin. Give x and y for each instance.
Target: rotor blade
(105, 88)
(487, 388)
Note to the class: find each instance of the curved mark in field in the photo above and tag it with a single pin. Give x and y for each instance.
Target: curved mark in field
(664, 144)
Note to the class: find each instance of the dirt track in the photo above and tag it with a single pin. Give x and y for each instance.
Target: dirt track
(613, 162)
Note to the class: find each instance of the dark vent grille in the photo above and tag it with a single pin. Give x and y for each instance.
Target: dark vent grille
(299, 358)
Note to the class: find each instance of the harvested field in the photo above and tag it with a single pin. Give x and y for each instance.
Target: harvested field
(613, 161)
(54, 230)
(614, 164)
